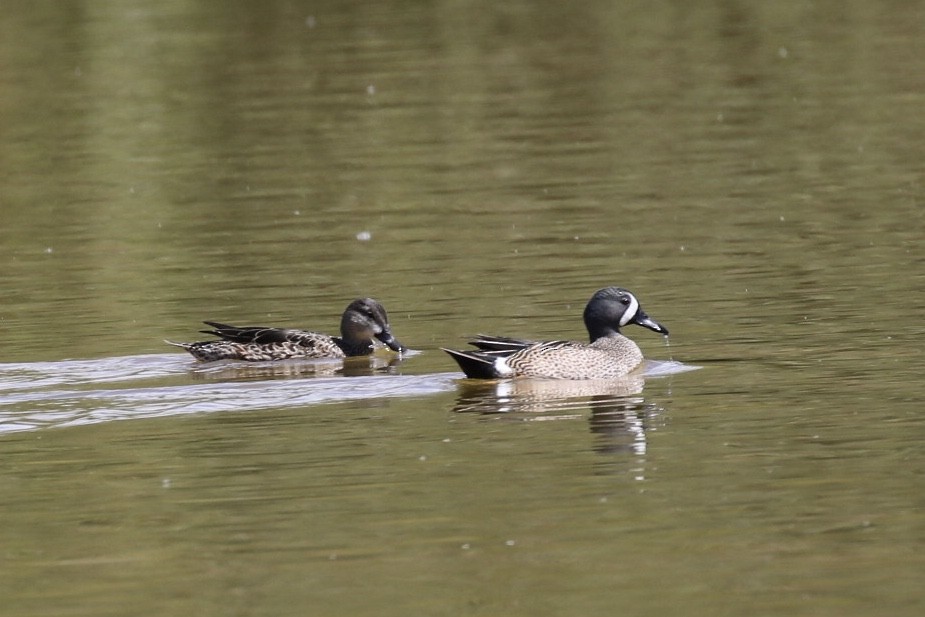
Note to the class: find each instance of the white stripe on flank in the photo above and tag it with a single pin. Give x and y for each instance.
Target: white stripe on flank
(502, 368)
(631, 310)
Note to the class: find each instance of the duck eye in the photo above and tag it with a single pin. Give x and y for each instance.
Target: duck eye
(625, 300)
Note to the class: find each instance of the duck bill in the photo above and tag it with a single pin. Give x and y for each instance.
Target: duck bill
(645, 321)
(390, 341)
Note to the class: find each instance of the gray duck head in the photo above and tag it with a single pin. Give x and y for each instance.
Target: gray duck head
(611, 308)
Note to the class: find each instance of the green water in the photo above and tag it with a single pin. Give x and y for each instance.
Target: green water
(751, 171)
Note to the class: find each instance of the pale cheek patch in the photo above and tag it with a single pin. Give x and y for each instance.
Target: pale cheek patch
(631, 310)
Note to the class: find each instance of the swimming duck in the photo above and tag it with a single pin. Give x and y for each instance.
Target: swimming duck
(608, 355)
(363, 320)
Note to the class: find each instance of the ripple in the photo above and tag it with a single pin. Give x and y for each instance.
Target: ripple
(56, 394)
(39, 395)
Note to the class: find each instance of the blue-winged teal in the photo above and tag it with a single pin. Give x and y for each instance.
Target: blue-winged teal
(362, 320)
(609, 354)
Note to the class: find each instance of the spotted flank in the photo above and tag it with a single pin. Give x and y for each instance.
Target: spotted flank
(608, 355)
(302, 345)
(364, 325)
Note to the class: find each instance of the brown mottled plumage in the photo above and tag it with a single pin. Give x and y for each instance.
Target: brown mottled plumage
(608, 355)
(363, 320)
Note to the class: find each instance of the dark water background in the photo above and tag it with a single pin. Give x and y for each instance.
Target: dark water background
(753, 171)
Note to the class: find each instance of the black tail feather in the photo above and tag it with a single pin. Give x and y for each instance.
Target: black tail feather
(476, 365)
(221, 330)
(260, 335)
(220, 326)
(486, 342)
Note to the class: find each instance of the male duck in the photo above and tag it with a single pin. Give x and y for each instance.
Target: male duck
(609, 354)
(363, 320)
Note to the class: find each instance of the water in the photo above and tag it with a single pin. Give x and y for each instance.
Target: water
(752, 173)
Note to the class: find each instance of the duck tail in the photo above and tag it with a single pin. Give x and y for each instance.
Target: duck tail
(475, 365)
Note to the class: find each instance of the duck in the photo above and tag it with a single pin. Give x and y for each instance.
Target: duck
(363, 320)
(608, 355)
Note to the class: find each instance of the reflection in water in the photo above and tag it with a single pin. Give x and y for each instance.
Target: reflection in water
(619, 418)
(540, 395)
(621, 424)
(349, 367)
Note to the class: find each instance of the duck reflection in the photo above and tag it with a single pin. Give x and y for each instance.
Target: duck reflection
(284, 369)
(620, 415)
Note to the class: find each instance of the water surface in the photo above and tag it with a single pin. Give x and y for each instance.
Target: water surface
(751, 172)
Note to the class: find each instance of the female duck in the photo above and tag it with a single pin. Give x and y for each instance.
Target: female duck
(362, 321)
